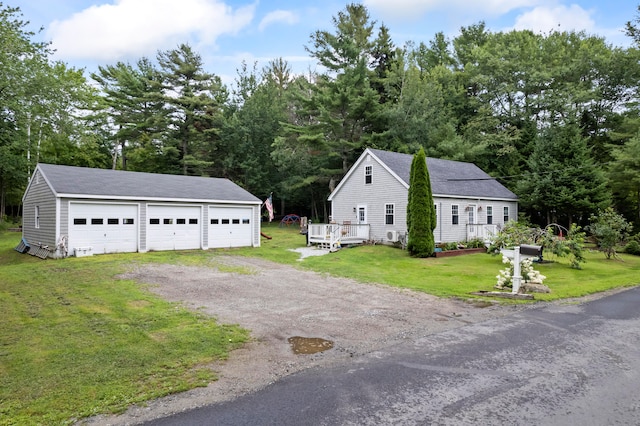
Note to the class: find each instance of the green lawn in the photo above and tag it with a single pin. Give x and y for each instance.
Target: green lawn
(450, 276)
(78, 341)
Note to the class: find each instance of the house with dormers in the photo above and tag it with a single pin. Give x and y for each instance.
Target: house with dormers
(373, 195)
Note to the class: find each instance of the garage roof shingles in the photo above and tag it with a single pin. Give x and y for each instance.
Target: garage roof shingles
(70, 180)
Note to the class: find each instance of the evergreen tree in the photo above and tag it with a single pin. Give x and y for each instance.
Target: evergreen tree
(422, 219)
(134, 103)
(194, 100)
(344, 105)
(564, 182)
(624, 174)
(412, 173)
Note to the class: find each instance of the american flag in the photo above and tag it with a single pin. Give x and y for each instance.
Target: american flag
(269, 204)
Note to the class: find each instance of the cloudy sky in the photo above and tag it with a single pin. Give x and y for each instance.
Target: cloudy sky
(88, 33)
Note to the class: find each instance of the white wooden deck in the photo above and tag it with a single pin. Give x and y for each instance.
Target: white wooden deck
(333, 236)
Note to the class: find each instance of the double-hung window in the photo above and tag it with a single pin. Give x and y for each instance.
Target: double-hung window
(368, 174)
(489, 215)
(389, 214)
(506, 214)
(455, 214)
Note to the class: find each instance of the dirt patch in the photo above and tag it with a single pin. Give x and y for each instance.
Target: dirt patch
(277, 302)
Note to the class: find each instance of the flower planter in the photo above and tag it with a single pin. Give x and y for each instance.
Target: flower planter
(460, 252)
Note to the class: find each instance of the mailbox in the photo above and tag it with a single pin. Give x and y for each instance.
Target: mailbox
(530, 250)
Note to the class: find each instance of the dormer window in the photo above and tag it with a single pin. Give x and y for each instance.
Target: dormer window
(368, 172)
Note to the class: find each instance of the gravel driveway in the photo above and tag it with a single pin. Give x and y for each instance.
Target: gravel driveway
(277, 302)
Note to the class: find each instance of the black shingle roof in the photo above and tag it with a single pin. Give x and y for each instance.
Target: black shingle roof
(448, 177)
(136, 185)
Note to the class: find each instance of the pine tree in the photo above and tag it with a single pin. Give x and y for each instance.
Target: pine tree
(564, 183)
(421, 214)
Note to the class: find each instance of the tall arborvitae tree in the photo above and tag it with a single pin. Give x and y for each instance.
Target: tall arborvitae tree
(421, 210)
(412, 174)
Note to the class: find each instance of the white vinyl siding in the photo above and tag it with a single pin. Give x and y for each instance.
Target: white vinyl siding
(354, 193)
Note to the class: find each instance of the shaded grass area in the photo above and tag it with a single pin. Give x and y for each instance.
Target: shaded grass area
(76, 341)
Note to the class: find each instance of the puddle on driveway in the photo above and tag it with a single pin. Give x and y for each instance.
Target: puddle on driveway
(309, 345)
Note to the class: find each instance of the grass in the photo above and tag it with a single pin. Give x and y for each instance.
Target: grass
(450, 276)
(77, 341)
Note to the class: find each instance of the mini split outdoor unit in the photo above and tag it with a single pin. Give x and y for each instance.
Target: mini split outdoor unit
(392, 236)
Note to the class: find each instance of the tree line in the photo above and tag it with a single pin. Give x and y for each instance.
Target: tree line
(553, 116)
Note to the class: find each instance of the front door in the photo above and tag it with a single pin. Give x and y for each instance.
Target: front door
(472, 229)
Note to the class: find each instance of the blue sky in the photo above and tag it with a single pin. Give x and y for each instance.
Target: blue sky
(88, 33)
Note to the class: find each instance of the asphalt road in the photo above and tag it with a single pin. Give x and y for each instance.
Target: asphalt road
(564, 364)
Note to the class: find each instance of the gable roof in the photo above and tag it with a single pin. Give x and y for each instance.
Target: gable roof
(448, 177)
(71, 181)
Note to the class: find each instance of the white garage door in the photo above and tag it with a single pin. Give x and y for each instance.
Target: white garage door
(106, 228)
(173, 227)
(230, 227)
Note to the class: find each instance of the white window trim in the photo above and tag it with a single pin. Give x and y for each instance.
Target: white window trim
(489, 208)
(369, 175)
(392, 214)
(457, 206)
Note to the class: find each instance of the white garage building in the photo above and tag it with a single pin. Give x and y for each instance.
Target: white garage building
(77, 210)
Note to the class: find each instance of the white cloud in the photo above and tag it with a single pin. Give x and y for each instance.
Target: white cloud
(561, 18)
(415, 9)
(134, 28)
(278, 16)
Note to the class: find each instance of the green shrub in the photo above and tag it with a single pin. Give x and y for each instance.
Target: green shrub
(475, 243)
(450, 246)
(609, 230)
(632, 247)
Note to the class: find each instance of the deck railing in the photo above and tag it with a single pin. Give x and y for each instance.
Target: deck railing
(481, 231)
(331, 233)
